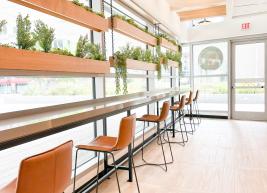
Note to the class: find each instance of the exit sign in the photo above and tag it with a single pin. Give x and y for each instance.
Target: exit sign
(245, 26)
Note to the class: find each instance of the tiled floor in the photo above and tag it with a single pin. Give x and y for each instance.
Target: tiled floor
(223, 156)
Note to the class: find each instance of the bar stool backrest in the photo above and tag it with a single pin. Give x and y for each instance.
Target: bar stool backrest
(182, 102)
(164, 111)
(126, 132)
(48, 172)
(196, 96)
(190, 98)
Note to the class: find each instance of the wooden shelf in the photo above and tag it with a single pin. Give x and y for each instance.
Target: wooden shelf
(25, 60)
(129, 30)
(167, 44)
(136, 65)
(68, 11)
(172, 64)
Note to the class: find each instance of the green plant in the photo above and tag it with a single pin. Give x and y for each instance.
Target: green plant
(85, 49)
(87, 8)
(175, 56)
(7, 45)
(44, 35)
(59, 51)
(81, 48)
(161, 35)
(94, 52)
(147, 56)
(132, 22)
(136, 53)
(25, 38)
(120, 58)
(2, 24)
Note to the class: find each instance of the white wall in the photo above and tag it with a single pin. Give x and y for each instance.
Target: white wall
(161, 11)
(229, 28)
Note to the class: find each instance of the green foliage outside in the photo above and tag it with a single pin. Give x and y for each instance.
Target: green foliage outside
(57, 86)
(44, 35)
(25, 38)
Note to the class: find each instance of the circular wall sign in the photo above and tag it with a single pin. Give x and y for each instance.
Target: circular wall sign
(210, 58)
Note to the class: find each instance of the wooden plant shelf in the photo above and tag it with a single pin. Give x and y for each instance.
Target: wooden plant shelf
(136, 65)
(66, 10)
(129, 30)
(172, 64)
(167, 44)
(25, 60)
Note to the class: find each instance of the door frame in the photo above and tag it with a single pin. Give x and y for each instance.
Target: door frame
(256, 116)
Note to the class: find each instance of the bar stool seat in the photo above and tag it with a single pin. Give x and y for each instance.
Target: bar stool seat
(101, 143)
(176, 107)
(149, 118)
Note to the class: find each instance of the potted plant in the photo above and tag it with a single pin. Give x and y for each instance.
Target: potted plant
(48, 59)
(129, 27)
(74, 12)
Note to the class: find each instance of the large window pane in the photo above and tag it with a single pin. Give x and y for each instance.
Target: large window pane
(20, 93)
(213, 95)
(210, 64)
(210, 59)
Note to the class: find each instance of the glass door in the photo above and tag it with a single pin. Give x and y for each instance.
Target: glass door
(249, 80)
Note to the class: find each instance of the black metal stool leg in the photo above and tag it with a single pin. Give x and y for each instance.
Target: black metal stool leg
(97, 177)
(75, 170)
(143, 141)
(182, 118)
(162, 148)
(168, 140)
(136, 179)
(116, 171)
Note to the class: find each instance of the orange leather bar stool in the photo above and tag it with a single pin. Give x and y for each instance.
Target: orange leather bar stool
(178, 115)
(157, 119)
(106, 144)
(189, 103)
(48, 172)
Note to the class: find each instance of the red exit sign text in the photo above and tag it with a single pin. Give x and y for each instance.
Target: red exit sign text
(245, 26)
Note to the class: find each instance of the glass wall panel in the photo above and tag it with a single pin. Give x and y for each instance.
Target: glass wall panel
(210, 64)
(213, 93)
(184, 79)
(20, 93)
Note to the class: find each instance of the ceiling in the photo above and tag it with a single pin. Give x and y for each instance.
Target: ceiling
(188, 5)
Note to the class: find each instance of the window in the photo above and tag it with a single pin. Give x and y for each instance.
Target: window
(185, 73)
(210, 64)
(21, 93)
